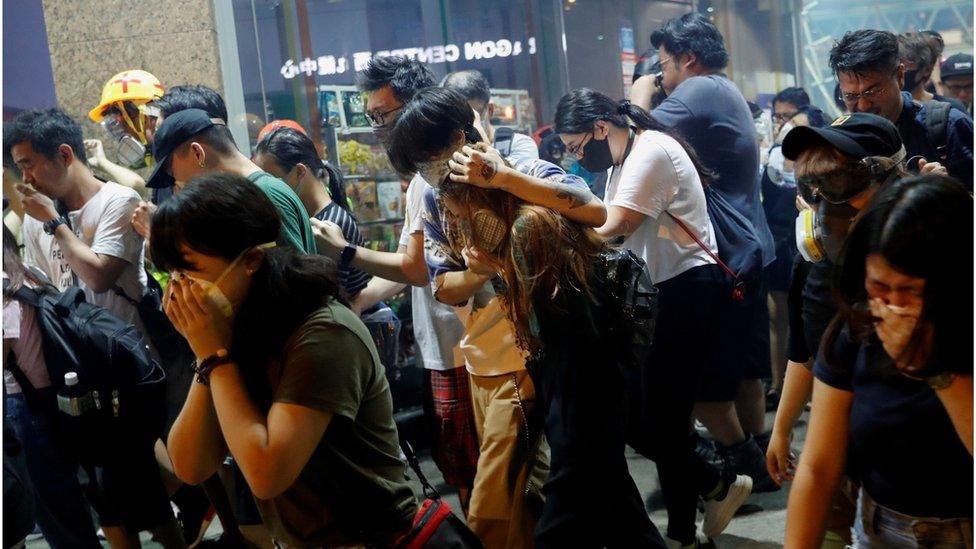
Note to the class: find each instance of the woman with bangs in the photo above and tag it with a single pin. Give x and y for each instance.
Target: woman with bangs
(894, 383)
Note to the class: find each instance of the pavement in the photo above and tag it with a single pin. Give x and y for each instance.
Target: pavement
(759, 525)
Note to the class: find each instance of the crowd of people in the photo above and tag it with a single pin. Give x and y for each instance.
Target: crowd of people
(833, 269)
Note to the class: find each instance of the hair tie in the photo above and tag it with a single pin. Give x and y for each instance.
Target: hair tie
(624, 107)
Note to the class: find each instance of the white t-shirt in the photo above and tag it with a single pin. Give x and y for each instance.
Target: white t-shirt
(523, 148)
(104, 223)
(436, 325)
(658, 177)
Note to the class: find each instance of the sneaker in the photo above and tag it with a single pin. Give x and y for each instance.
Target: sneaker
(718, 512)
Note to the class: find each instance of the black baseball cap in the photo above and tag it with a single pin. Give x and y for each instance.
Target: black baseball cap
(857, 135)
(960, 64)
(175, 130)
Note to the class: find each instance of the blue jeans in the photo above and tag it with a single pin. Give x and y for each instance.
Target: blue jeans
(60, 506)
(877, 526)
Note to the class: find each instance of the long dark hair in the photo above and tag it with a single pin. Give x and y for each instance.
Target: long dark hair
(922, 226)
(13, 266)
(224, 215)
(290, 147)
(579, 110)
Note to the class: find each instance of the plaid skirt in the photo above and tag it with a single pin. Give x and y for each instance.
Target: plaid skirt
(447, 406)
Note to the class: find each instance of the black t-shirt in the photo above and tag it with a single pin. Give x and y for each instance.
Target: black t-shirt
(811, 299)
(353, 280)
(902, 446)
(796, 341)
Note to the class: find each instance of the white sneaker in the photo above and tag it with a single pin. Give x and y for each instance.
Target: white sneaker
(718, 512)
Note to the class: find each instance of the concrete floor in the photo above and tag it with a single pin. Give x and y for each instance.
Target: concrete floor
(760, 525)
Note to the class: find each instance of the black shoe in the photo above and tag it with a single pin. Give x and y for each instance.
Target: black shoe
(193, 504)
(746, 458)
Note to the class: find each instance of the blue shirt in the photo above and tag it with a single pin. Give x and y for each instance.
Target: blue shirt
(902, 445)
(711, 114)
(959, 139)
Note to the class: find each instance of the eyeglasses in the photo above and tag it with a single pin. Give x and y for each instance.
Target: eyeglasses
(784, 117)
(378, 118)
(957, 88)
(577, 151)
(830, 189)
(665, 60)
(870, 95)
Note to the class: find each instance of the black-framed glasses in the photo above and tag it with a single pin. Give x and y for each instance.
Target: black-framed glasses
(834, 189)
(784, 117)
(577, 151)
(377, 119)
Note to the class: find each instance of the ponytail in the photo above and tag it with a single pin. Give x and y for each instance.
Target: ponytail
(336, 186)
(579, 110)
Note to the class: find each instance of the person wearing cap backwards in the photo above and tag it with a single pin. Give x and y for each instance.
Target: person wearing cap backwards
(957, 79)
(190, 143)
(838, 169)
(938, 139)
(126, 112)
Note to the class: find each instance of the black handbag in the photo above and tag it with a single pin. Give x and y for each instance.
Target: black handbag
(635, 302)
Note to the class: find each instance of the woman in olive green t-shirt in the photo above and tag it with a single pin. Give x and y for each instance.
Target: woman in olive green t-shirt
(289, 379)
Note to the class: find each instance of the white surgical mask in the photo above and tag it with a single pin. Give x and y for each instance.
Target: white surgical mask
(212, 289)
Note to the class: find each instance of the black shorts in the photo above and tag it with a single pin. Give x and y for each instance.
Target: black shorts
(742, 347)
(129, 491)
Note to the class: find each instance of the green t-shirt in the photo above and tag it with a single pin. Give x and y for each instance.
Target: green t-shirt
(294, 219)
(355, 480)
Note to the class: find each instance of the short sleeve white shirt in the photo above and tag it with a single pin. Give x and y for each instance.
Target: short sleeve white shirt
(658, 178)
(104, 224)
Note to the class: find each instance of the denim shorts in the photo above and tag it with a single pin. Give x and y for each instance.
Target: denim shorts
(879, 527)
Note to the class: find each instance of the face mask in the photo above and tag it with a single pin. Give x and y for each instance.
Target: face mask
(212, 289)
(434, 172)
(131, 153)
(789, 178)
(822, 230)
(596, 156)
(785, 129)
(910, 80)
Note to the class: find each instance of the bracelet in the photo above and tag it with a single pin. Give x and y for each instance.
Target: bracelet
(207, 365)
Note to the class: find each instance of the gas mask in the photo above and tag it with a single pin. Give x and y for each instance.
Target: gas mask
(132, 151)
(821, 229)
(212, 289)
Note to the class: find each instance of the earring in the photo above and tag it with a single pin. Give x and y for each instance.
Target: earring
(203, 164)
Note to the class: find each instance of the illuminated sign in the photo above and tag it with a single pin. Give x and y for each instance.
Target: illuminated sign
(328, 65)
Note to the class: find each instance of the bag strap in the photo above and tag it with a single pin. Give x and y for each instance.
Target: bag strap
(429, 491)
(702, 245)
(936, 125)
(31, 396)
(737, 291)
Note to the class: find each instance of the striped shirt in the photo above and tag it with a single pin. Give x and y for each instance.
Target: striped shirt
(353, 280)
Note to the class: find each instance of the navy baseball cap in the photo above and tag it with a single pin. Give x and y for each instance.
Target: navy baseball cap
(175, 130)
(858, 135)
(960, 64)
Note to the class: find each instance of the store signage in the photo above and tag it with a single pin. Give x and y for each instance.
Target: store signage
(329, 65)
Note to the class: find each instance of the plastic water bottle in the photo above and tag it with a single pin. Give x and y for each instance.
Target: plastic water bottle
(74, 398)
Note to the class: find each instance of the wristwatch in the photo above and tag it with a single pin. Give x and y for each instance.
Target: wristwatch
(348, 253)
(52, 225)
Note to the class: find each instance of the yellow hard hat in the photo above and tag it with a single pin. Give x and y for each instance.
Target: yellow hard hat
(135, 85)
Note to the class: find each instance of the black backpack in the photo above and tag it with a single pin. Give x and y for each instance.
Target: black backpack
(634, 304)
(110, 358)
(936, 125)
(503, 141)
